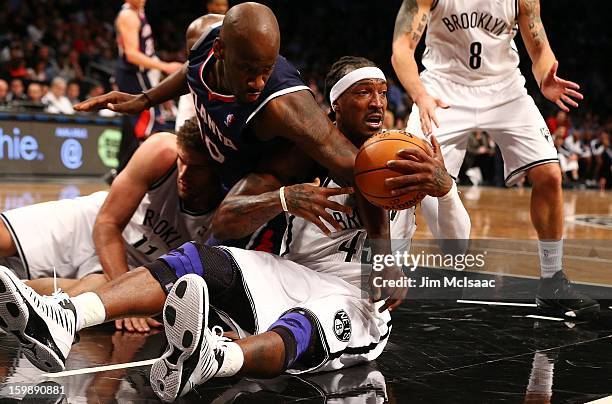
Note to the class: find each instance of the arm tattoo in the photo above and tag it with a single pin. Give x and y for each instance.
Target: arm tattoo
(536, 28)
(249, 212)
(441, 178)
(403, 22)
(308, 120)
(296, 200)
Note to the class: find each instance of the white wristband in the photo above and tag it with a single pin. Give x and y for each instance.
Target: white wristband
(281, 193)
(450, 194)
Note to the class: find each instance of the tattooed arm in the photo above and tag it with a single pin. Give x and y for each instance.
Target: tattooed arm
(255, 199)
(544, 64)
(298, 118)
(410, 24)
(534, 36)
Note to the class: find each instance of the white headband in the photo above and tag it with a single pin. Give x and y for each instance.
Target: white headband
(353, 77)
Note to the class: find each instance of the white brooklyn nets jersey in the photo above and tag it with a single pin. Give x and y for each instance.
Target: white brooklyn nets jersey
(471, 42)
(341, 253)
(161, 222)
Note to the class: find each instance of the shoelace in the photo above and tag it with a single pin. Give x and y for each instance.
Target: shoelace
(56, 291)
(219, 337)
(57, 311)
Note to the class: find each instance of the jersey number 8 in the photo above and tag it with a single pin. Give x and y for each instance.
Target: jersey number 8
(475, 51)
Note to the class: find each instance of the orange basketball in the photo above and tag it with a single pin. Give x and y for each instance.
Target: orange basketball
(371, 168)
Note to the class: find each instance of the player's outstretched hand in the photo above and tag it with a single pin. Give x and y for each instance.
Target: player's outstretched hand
(137, 324)
(309, 202)
(393, 290)
(427, 111)
(422, 172)
(115, 101)
(559, 91)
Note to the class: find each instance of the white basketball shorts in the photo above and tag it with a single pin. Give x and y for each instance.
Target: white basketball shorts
(351, 329)
(504, 110)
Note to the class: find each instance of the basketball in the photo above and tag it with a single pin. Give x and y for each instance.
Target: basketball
(371, 168)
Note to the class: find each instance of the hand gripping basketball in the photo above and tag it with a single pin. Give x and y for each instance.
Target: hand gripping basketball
(421, 172)
(371, 168)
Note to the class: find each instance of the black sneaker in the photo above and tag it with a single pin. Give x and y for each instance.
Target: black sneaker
(556, 295)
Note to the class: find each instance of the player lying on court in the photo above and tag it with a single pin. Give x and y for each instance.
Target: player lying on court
(290, 317)
(472, 82)
(165, 197)
(253, 107)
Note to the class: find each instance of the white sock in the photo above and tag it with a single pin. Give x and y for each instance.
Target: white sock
(233, 359)
(89, 310)
(541, 377)
(551, 253)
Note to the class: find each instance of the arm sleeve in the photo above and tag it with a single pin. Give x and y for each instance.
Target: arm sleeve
(448, 221)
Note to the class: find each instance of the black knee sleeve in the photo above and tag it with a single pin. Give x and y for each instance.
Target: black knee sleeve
(162, 274)
(219, 270)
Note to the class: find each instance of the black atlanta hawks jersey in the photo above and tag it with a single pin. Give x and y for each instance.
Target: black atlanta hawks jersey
(224, 120)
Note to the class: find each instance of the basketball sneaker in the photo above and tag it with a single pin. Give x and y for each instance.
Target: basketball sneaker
(194, 352)
(44, 325)
(556, 295)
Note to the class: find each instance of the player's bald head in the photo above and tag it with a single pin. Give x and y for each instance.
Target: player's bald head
(248, 46)
(253, 24)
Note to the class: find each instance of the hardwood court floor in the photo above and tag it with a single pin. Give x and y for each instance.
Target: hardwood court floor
(500, 213)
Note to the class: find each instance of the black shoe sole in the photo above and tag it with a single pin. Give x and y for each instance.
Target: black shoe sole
(585, 312)
(185, 319)
(20, 319)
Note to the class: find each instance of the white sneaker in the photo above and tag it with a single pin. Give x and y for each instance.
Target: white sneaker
(44, 325)
(191, 357)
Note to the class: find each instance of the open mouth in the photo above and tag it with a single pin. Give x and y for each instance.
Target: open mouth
(374, 121)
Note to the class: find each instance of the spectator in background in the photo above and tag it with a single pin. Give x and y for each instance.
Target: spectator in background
(56, 100)
(568, 159)
(586, 160)
(95, 91)
(39, 72)
(389, 120)
(17, 91)
(70, 68)
(47, 61)
(74, 92)
(3, 92)
(598, 149)
(216, 6)
(35, 92)
(400, 122)
(557, 121)
(478, 164)
(16, 66)
(605, 169)
(575, 144)
(395, 97)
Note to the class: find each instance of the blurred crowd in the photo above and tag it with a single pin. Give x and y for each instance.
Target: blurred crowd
(54, 54)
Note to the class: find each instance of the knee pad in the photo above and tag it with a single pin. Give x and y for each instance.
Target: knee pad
(212, 264)
(219, 270)
(296, 329)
